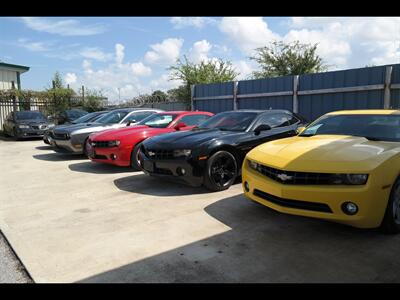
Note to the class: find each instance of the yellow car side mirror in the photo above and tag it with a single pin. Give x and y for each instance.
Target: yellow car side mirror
(300, 130)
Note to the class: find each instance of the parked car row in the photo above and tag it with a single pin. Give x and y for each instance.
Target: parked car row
(343, 167)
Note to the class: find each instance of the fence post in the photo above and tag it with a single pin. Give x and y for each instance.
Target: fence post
(191, 97)
(54, 98)
(235, 88)
(295, 98)
(14, 98)
(388, 78)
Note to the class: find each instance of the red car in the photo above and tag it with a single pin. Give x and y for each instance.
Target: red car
(120, 147)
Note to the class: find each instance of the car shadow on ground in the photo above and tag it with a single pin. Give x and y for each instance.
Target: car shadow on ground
(261, 245)
(148, 185)
(45, 147)
(96, 168)
(12, 139)
(58, 157)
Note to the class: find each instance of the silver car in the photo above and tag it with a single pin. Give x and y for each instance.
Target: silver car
(72, 139)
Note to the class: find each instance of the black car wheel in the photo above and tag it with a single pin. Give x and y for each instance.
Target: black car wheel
(85, 149)
(391, 221)
(135, 161)
(15, 134)
(221, 171)
(5, 132)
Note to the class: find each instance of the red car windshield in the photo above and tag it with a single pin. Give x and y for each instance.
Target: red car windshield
(158, 120)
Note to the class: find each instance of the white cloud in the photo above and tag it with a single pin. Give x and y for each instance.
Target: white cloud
(164, 83)
(198, 22)
(247, 33)
(34, 46)
(67, 27)
(119, 53)
(165, 52)
(95, 53)
(139, 69)
(346, 42)
(70, 78)
(199, 51)
(244, 68)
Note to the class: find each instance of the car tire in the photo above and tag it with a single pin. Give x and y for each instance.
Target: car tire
(15, 134)
(5, 132)
(134, 158)
(391, 220)
(85, 152)
(221, 171)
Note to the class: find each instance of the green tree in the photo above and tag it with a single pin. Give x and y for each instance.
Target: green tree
(159, 96)
(205, 72)
(58, 82)
(281, 59)
(94, 100)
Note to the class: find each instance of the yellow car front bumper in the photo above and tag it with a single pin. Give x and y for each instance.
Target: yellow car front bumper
(370, 198)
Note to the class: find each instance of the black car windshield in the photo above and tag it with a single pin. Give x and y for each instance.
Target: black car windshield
(29, 115)
(75, 114)
(88, 117)
(235, 121)
(112, 117)
(158, 120)
(372, 127)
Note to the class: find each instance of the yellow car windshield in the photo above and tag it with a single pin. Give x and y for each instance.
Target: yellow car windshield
(372, 127)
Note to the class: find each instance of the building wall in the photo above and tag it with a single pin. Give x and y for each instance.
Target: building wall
(6, 79)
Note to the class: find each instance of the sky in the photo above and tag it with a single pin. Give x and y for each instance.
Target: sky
(127, 56)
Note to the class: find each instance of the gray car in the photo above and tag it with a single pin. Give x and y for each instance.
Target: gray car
(90, 117)
(72, 139)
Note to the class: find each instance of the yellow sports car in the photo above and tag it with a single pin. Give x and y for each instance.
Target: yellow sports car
(343, 167)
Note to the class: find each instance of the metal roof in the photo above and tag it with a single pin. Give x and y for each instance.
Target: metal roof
(18, 68)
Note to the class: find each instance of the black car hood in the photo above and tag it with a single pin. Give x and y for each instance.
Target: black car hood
(190, 139)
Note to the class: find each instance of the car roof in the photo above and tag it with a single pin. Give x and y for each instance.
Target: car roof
(130, 109)
(260, 111)
(183, 112)
(366, 112)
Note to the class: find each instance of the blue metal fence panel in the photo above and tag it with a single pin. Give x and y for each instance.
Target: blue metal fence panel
(210, 90)
(310, 106)
(346, 78)
(313, 106)
(395, 93)
(270, 85)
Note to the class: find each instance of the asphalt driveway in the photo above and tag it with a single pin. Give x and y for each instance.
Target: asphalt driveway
(70, 220)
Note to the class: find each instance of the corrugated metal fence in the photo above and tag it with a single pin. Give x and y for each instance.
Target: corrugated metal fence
(311, 95)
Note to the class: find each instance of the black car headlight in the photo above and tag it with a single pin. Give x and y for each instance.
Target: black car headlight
(352, 179)
(182, 153)
(253, 165)
(113, 143)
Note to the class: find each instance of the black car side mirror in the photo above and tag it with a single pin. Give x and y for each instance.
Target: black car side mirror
(261, 127)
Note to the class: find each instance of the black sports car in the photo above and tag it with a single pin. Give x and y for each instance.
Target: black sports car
(26, 124)
(212, 153)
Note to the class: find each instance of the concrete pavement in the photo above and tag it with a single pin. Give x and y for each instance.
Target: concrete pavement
(71, 220)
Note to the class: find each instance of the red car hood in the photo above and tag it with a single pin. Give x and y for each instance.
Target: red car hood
(128, 133)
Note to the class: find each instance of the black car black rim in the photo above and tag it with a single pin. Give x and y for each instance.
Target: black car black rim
(223, 170)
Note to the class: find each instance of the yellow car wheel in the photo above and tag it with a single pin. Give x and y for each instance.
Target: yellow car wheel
(391, 221)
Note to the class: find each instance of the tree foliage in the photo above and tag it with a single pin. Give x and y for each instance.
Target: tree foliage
(281, 59)
(57, 80)
(211, 71)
